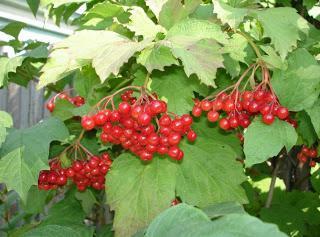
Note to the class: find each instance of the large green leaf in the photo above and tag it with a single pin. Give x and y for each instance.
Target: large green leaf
(8, 65)
(153, 186)
(314, 113)
(227, 14)
(138, 192)
(195, 43)
(174, 11)
(109, 52)
(187, 221)
(141, 24)
(31, 145)
(298, 87)
(215, 162)
(169, 85)
(262, 141)
(157, 57)
(283, 26)
(16, 174)
(53, 231)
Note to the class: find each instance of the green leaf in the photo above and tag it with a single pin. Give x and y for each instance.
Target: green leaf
(63, 109)
(5, 119)
(13, 28)
(155, 185)
(283, 26)
(194, 30)
(36, 200)
(8, 65)
(272, 58)
(166, 84)
(298, 87)
(141, 24)
(78, 50)
(155, 6)
(223, 208)
(314, 113)
(202, 161)
(16, 174)
(34, 6)
(87, 199)
(202, 58)
(174, 11)
(157, 57)
(194, 42)
(151, 191)
(229, 15)
(187, 221)
(269, 138)
(33, 158)
(305, 128)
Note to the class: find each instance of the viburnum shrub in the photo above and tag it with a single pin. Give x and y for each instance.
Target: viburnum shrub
(235, 106)
(146, 100)
(142, 125)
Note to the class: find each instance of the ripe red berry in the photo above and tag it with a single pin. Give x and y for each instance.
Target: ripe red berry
(174, 138)
(213, 116)
(268, 118)
(156, 107)
(144, 119)
(165, 120)
(206, 105)
(196, 111)
(50, 106)
(313, 153)
(191, 136)
(282, 112)
(224, 124)
(174, 152)
(312, 163)
(234, 122)
(228, 105)
(124, 108)
(100, 118)
(87, 123)
(186, 119)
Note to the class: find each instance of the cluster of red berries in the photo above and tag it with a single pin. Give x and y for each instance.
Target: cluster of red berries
(144, 129)
(83, 173)
(237, 109)
(307, 154)
(128, 97)
(77, 101)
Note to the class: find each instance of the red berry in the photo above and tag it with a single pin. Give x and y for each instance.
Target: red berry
(156, 107)
(312, 163)
(124, 108)
(191, 136)
(186, 119)
(165, 120)
(146, 156)
(206, 105)
(174, 138)
(268, 118)
(87, 123)
(213, 116)
(282, 112)
(174, 152)
(196, 111)
(228, 105)
(234, 122)
(313, 153)
(50, 106)
(144, 119)
(224, 124)
(100, 118)
(259, 95)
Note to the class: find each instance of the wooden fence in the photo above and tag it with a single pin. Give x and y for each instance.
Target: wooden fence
(26, 105)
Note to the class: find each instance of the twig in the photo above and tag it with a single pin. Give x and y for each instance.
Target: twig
(272, 183)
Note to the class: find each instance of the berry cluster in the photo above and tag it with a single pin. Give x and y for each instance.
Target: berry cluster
(77, 100)
(83, 173)
(144, 127)
(237, 109)
(307, 154)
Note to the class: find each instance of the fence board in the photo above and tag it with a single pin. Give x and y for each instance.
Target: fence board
(26, 105)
